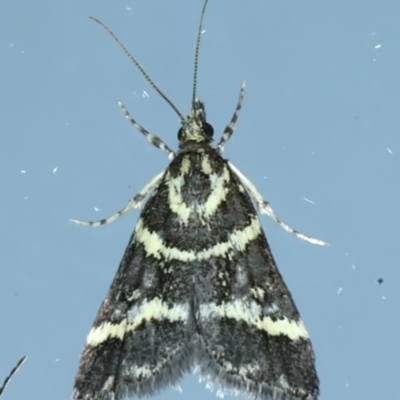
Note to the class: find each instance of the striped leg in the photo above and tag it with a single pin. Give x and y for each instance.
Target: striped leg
(153, 139)
(135, 202)
(231, 126)
(265, 208)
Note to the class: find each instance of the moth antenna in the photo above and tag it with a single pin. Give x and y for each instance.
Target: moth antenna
(12, 372)
(196, 54)
(143, 72)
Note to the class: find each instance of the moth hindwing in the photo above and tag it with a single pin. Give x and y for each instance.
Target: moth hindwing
(198, 285)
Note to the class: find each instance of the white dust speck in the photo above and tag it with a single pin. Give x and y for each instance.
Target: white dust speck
(26, 198)
(96, 209)
(389, 150)
(340, 290)
(129, 8)
(203, 31)
(353, 267)
(55, 170)
(347, 384)
(383, 297)
(23, 171)
(308, 200)
(145, 94)
(11, 44)
(378, 46)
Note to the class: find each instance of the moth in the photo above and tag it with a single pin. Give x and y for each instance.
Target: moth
(198, 286)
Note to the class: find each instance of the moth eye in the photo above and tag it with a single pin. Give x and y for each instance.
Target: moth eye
(208, 130)
(180, 133)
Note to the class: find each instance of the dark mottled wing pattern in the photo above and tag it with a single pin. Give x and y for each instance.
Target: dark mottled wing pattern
(198, 286)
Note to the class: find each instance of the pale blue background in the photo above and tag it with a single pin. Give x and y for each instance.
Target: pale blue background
(320, 121)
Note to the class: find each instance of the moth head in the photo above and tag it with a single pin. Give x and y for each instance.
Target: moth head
(195, 128)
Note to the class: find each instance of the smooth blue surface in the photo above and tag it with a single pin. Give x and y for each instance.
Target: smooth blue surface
(320, 122)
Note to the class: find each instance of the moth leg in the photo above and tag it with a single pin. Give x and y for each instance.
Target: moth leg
(153, 139)
(228, 132)
(135, 202)
(265, 208)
